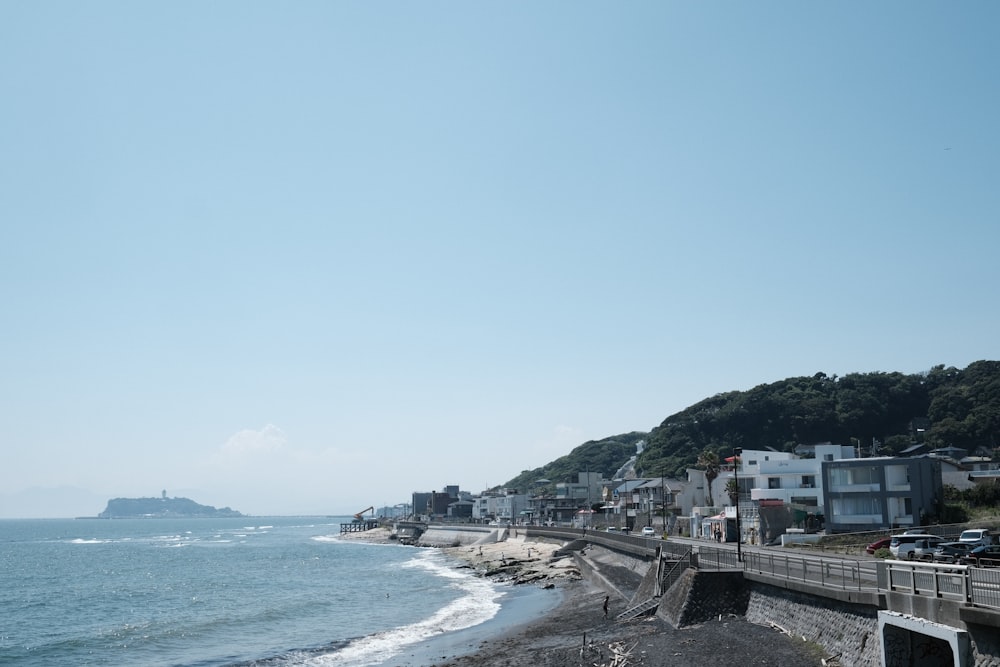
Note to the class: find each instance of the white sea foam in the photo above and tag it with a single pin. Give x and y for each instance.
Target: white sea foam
(478, 604)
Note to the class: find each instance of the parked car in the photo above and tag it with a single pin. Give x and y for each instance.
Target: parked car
(984, 555)
(882, 543)
(902, 546)
(647, 531)
(978, 536)
(924, 549)
(950, 552)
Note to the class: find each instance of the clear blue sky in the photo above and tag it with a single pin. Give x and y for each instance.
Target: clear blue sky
(314, 256)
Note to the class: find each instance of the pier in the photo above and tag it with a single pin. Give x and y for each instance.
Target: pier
(358, 526)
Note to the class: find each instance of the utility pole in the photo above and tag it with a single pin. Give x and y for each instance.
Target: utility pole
(663, 501)
(736, 476)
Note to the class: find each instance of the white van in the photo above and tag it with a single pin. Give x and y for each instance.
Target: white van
(978, 536)
(902, 546)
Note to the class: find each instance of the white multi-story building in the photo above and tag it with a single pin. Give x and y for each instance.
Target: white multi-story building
(790, 487)
(769, 475)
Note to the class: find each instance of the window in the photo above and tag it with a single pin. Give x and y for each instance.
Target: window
(774, 482)
(808, 481)
(865, 504)
(850, 476)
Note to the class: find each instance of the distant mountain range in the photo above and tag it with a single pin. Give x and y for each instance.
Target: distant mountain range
(161, 508)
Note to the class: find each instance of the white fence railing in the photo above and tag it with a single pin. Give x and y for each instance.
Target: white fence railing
(978, 586)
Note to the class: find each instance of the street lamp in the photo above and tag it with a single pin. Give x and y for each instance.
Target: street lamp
(736, 477)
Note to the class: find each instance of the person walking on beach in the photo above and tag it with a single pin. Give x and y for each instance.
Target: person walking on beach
(606, 599)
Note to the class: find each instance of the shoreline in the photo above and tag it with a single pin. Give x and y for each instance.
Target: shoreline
(573, 631)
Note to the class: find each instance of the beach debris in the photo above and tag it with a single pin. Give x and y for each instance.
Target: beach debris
(621, 655)
(775, 626)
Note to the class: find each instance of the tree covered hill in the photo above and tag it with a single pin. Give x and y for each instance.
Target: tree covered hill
(603, 456)
(886, 412)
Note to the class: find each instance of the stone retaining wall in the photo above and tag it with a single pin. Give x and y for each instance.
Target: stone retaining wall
(848, 631)
(700, 596)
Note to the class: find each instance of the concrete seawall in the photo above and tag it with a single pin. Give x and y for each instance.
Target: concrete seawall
(849, 631)
(861, 628)
(437, 536)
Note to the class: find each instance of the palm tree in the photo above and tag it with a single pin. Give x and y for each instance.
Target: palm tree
(732, 491)
(709, 462)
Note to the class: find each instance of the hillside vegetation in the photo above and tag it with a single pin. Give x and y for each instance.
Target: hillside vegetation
(880, 412)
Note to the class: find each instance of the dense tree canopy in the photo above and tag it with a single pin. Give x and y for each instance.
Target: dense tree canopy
(881, 412)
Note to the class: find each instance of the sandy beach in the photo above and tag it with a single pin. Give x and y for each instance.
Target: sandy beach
(576, 633)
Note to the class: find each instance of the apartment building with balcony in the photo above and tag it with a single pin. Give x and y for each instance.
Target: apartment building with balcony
(782, 476)
(880, 493)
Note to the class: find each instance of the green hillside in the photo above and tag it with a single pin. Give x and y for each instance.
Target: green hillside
(604, 456)
(880, 412)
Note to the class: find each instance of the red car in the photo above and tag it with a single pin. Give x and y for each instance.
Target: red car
(882, 543)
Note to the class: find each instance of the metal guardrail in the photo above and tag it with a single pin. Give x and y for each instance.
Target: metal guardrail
(677, 568)
(636, 543)
(978, 586)
(984, 586)
(836, 573)
(973, 585)
(715, 558)
(950, 582)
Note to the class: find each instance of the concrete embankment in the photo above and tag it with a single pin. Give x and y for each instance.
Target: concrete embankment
(846, 626)
(450, 536)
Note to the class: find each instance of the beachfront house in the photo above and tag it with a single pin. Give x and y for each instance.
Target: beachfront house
(562, 506)
(658, 502)
(880, 493)
(776, 490)
(627, 503)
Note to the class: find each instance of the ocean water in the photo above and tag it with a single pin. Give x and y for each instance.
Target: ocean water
(275, 592)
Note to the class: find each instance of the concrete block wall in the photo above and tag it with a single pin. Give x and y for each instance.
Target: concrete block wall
(672, 603)
(985, 647)
(847, 631)
(700, 596)
(983, 627)
(648, 587)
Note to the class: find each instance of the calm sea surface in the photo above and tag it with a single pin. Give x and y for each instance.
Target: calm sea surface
(206, 592)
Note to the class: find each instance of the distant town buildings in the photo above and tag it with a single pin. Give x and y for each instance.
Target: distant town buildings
(822, 486)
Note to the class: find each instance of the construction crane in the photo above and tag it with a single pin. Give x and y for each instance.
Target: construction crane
(361, 515)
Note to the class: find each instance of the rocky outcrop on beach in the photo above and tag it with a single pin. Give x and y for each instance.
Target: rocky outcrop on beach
(518, 561)
(513, 560)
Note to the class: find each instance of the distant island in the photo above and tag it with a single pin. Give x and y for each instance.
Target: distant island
(162, 508)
